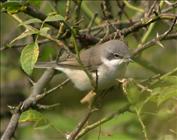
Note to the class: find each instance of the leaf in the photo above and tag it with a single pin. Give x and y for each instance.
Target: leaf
(13, 6)
(166, 81)
(165, 93)
(31, 115)
(36, 3)
(29, 57)
(44, 31)
(23, 35)
(132, 91)
(55, 17)
(30, 21)
(165, 89)
(136, 95)
(168, 93)
(61, 121)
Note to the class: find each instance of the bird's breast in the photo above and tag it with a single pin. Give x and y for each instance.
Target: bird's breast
(106, 76)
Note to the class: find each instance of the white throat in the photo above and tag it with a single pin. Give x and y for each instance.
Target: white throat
(114, 63)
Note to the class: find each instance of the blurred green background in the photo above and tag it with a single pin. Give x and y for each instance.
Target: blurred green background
(160, 120)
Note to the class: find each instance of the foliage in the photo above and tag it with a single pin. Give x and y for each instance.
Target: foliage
(29, 57)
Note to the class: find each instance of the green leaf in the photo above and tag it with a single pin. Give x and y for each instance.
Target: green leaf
(132, 91)
(137, 95)
(44, 31)
(165, 93)
(13, 6)
(166, 81)
(31, 115)
(55, 17)
(36, 3)
(61, 121)
(23, 35)
(29, 57)
(30, 21)
(168, 93)
(165, 89)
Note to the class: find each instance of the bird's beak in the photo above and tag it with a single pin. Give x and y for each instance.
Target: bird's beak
(130, 60)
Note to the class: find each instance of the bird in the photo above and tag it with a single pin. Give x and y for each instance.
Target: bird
(105, 62)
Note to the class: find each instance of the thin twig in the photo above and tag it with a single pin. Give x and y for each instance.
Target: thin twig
(140, 24)
(150, 11)
(75, 132)
(171, 7)
(151, 27)
(48, 36)
(171, 27)
(142, 124)
(106, 9)
(78, 10)
(153, 42)
(88, 12)
(30, 10)
(38, 97)
(44, 107)
(163, 76)
(67, 12)
(104, 120)
(92, 22)
(34, 12)
(126, 15)
(146, 35)
(40, 42)
(133, 7)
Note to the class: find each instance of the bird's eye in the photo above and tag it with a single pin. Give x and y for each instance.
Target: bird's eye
(116, 55)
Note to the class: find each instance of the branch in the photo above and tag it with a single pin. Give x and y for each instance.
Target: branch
(3, 48)
(172, 6)
(37, 14)
(132, 7)
(153, 42)
(147, 45)
(91, 102)
(77, 9)
(163, 76)
(106, 9)
(40, 96)
(88, 12)
(76, 131)
(31, 100)
(139, 25)
(116, 24)
(104, 120)
(62, 25)
(30, 10)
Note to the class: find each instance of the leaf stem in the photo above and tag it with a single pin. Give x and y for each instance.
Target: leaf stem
(133, 7)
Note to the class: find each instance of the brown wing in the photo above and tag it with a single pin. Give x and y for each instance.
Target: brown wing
(87, 57)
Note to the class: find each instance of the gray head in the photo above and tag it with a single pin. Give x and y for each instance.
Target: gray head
(116, 50)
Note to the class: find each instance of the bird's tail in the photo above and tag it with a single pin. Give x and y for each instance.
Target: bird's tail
(45, 65)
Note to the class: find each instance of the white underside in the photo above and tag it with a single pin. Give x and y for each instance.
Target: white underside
(107, 74)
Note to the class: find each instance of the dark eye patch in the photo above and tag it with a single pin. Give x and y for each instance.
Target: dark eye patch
(111, 56)
(116, 55)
